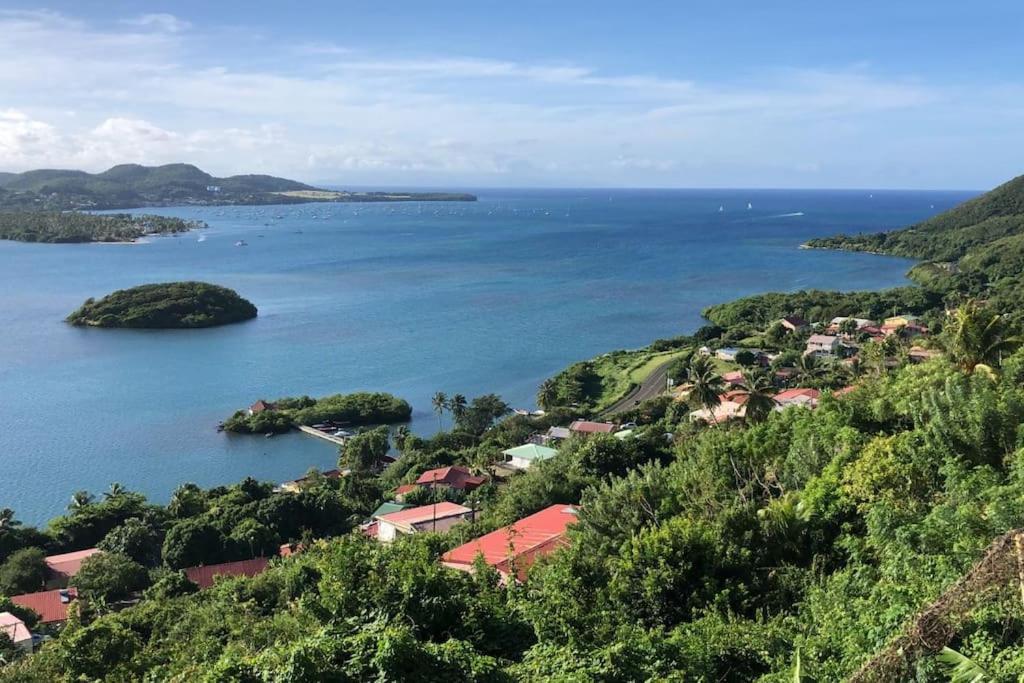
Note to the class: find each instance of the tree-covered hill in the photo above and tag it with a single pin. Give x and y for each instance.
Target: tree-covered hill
(74, 226)
(132, 185)
(166, 305)
(950, 235)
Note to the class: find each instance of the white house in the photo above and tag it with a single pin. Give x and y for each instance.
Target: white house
(438, 517)
(822, 346)
(521, 457)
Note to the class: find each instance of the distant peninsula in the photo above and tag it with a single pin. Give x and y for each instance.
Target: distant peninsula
(171, 305)
(75, 227)
(131, 185)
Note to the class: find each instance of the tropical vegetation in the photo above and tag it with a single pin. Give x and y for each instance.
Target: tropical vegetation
(166, 305)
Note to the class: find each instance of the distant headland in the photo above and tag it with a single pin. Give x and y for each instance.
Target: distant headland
(171, 305)
(131, 185)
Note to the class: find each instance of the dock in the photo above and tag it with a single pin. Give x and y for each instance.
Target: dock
(339, 440)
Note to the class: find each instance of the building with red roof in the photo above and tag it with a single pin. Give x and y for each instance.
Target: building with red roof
(51, 606)
(62, 567)
(436, 517)
(454, 477)
(204, 576)
(588, 427)
(808, 398)
(513, 549)
(260, 406)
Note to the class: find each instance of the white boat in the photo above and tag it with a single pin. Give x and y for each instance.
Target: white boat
(241, 243)
(749, 206)
(721, 209)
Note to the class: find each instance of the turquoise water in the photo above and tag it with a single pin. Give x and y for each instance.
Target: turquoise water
(412, 299)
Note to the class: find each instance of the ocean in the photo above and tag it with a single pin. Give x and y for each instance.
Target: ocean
(471, 298)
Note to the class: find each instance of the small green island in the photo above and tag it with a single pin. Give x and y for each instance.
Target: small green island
(355, 410)
(170, 305)
(68, 227)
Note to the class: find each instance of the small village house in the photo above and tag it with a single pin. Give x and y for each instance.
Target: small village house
(794, 323)
(731, 406)
(51, 606)
(60, 568)
(822, 346)
(296, 485)
(16, 630)
(805, 398)
(455, 477)
(205, 576)
(837, 323)
(260, 406)
(513, 549)
(403, 490)
(522, 457)
(587, 427)
(436, 517)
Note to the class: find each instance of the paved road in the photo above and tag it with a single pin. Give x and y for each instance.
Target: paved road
(653, 386)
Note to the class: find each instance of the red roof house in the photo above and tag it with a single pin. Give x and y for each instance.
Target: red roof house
(797, 397)
(517, 546)
(204, 576)
(588, 427)
(455, 477)
(260, 406)
(436, 517)
(62, 567)
(51, 606)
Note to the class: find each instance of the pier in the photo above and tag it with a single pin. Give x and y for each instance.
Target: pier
(320, 434)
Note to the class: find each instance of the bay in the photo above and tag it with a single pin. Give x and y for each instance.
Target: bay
(470, 298)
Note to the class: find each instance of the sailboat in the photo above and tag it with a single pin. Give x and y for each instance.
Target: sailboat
(721, 208)
(749, 206)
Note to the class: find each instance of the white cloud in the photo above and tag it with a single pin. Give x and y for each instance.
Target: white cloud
(151, 91)
(160, 22)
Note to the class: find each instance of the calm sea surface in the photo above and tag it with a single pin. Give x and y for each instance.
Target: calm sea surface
(411, 299)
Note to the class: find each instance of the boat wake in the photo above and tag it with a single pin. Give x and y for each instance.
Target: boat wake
(787, 215)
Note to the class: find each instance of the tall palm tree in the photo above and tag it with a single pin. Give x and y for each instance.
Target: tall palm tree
(757, 387)
(116, 490)
(978, 338)
(547, 394)
(808, 369)
(707, 384)
(440, 403)
(457, 404)
(7, 520)
(402, 433)
(80, 499)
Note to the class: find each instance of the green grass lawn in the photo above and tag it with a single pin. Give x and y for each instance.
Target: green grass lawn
(621, 371)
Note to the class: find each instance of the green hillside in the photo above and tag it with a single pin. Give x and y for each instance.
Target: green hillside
(133, 185)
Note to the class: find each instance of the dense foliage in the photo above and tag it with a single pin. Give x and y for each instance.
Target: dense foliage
(357, 409)
(166, 305)
(74, 226)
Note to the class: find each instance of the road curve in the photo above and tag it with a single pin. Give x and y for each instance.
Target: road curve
(653, 386)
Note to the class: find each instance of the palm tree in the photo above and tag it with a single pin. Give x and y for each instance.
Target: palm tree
(808, 369)
(707, 384)
(547, 394)
(116, 490)
(962, 669)
(80, 499)
(440, 403)
(7, 520)
(757, 387)
(457, 404)
(401, 434)
(977, 338)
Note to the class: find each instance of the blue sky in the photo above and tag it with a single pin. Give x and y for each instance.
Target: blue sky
(681, 94)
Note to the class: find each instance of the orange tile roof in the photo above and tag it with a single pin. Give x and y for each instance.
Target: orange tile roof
(456, 477)
(204, 576)
(518, 544)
